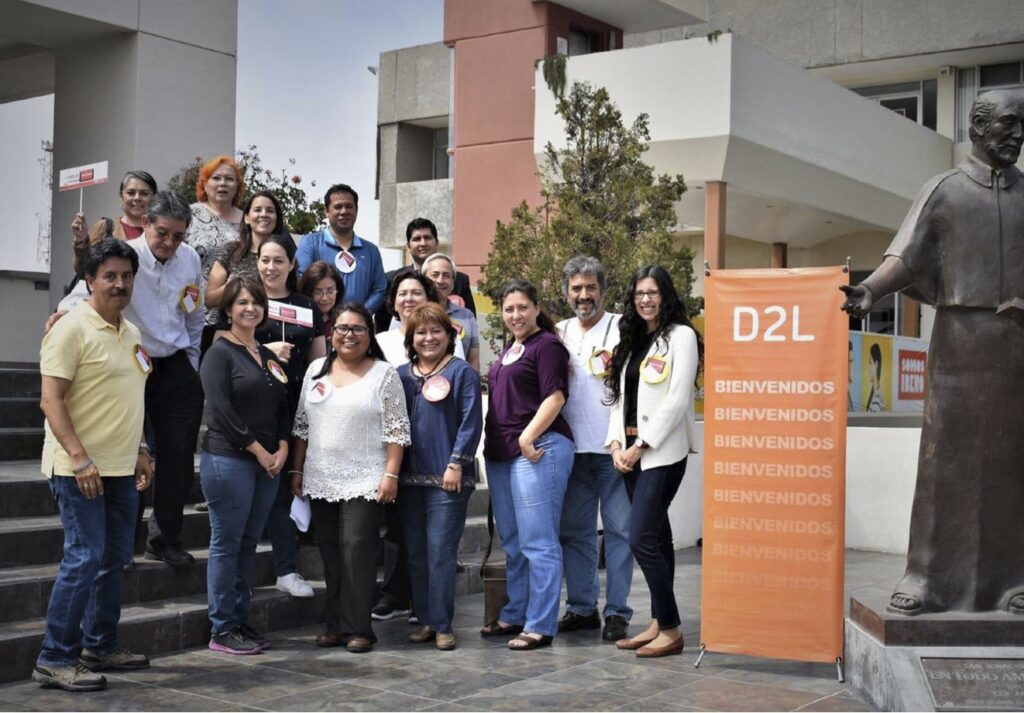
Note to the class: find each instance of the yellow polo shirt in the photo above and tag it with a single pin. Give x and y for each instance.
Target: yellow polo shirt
(107, 396)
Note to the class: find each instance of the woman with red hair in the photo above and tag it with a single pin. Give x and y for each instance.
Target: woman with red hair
(217, 213)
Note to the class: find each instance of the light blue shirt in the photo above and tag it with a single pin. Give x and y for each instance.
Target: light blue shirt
(367, 283)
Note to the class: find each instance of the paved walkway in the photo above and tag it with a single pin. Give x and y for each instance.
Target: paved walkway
(579, 672)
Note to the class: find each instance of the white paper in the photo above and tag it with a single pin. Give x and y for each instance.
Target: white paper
(300, 513)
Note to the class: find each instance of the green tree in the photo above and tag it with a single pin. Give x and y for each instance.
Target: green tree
(301, 214)
(600, 199)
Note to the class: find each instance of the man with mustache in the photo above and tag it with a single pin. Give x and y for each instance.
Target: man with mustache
(94, 370)
(961, 249)
(591, 337)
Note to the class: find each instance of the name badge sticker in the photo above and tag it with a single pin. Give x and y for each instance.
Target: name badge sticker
(436, 388)
(274, 368)
(319, 391)
(143, 360)
(189, 299)
(460, 329)
(513, 355)
(345, 261)
(600, 363)
(655, 369)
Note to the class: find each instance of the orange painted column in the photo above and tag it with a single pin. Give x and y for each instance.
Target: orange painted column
(714, 224)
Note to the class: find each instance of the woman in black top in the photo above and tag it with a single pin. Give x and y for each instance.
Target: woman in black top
(248, 420)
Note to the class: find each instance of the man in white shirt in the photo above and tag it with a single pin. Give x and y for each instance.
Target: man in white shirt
(591, 337)
(167, 307)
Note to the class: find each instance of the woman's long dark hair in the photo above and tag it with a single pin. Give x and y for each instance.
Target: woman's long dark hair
(241, 247)
(519, 285)
(375, 352)
(633, 329)
(429, 288)
(286, 242)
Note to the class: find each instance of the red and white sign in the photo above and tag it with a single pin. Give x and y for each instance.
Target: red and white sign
(92, 174)
(281, 312)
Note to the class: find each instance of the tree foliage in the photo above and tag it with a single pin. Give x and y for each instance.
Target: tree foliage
(599, 199)
(301, 214)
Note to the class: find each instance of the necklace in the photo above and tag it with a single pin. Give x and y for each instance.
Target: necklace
(254, 348)
(440, 365)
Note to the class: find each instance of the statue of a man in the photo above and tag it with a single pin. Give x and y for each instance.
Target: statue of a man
(961, 249)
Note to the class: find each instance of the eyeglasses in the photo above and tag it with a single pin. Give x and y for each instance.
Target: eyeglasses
(653, 294)
(330, 292)
(357, 330)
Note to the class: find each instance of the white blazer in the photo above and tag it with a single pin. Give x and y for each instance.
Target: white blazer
(664, 411)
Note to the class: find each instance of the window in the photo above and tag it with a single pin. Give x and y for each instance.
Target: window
(884, 314)
(972, 81)
(914, 100)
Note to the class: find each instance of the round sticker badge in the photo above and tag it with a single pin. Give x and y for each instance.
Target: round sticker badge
(460, 329)
(345, 261)
(189, 299)
(600, 363)
(274, 368)
(436, 388)
(513, 355)
(318, 392)
(654, 369)
(142, 359)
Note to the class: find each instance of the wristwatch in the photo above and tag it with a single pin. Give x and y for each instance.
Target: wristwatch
(641, 444)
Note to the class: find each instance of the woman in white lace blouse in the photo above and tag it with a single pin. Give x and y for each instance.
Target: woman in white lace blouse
(351, 429)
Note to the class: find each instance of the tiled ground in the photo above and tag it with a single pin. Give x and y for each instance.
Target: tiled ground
(579, 672)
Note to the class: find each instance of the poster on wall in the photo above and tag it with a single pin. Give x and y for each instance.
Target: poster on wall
(876, 372)
(911, 374)
(776, 393)
(853, 393)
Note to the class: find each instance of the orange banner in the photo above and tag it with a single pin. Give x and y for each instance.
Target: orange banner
(775, 398)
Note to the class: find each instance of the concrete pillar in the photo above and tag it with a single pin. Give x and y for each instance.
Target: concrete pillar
(139, 101)
(910, 317)
(780, 255)
(714, 224)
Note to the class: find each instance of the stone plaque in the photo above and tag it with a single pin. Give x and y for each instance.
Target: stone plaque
(975, 684)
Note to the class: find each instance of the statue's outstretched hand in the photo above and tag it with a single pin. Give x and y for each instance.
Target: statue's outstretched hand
(858, 300)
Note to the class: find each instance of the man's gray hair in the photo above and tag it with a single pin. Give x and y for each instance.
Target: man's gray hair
(168, 204)
(440, 256)
(583, 265)
(984, 110)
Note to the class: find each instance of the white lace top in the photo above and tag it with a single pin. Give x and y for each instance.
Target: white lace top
(347, 431)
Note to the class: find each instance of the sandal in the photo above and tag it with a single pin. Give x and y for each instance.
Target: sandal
(906, 604)
(529, 643)
(496, 629)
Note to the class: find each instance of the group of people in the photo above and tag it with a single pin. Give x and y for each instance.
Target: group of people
(357, 391)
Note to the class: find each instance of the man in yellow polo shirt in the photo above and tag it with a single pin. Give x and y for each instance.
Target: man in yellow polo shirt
(94, 373)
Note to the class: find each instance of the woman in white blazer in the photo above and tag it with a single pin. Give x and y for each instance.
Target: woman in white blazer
(650, 432)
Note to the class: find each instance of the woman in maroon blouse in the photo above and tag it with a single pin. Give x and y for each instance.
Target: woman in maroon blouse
(529, 453)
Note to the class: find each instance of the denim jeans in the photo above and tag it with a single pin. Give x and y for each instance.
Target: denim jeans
(527, 500)
(281, 528)
(650, 535)
(240, 495)
(85, 604)
(433, 521)
(595, 479)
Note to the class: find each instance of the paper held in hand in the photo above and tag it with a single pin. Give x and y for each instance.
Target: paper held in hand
(93, 174)
(302, 316)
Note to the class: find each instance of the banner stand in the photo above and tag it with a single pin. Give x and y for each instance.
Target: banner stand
(840, 673)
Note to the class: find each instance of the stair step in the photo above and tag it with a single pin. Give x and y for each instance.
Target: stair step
(20, 381)
(20, 412)
(20, 443)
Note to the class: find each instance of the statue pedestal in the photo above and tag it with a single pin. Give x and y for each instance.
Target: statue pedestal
(934, 662)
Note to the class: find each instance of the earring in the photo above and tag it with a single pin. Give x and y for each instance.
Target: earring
(229, 320)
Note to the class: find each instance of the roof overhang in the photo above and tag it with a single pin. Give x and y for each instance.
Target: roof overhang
(805, 159)
(641, 15)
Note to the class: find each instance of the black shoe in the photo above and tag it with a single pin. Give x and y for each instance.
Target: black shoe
(615, 628)
(388, 608)
(574, 622)
(250, 633)
(234, 642)
(173, 555)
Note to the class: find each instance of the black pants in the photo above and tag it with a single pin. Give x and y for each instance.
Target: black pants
(650, 535)
(396, 558)
(174, 409)
(346, 533)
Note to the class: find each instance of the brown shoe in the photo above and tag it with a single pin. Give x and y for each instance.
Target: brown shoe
(422, 635)
(445, 642)
(656, 652)
(359, 644)
(327, 640)
(632, 644)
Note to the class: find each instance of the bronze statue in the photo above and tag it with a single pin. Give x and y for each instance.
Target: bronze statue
(961, 249)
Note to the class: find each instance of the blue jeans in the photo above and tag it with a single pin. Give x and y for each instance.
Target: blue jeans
(280, 528)
(433, 521)
(99, 535)
(527, 500)
(240, 495)
(594, 479)
(650, 535)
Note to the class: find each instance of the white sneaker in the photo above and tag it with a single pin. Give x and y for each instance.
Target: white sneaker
(295, 585)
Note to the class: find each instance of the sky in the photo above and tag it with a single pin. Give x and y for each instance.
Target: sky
(303, 91)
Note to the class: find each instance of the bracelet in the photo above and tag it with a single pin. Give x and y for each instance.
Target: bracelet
(295, 472)
(392, 476)
(455, 466)
(84, 467)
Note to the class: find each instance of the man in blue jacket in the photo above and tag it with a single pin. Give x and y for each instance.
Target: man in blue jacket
(358, 260)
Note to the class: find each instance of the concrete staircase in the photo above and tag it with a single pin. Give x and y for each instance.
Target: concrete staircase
(163, 608)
